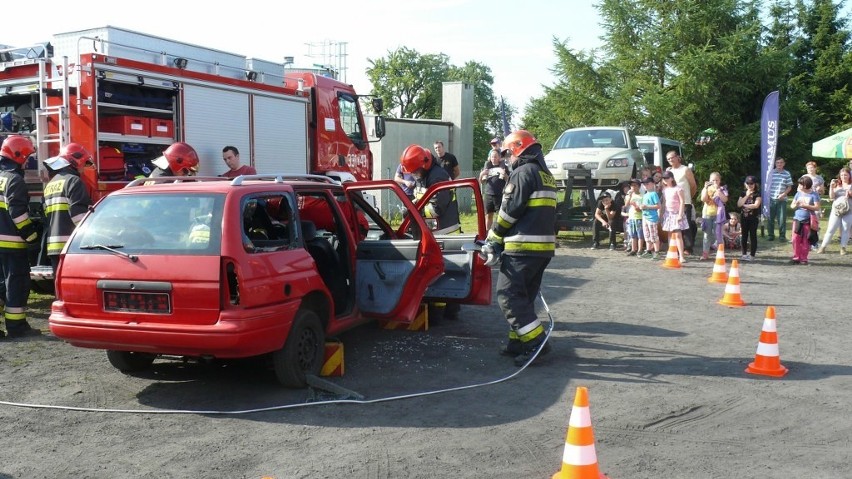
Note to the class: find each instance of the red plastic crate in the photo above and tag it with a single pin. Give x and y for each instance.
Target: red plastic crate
(125, 125)
(163, 128)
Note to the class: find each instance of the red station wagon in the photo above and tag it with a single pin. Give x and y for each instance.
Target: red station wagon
(258, 265)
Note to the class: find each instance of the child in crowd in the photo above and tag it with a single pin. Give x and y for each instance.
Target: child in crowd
(604, 215)
(650, 218)
(731, 232)
(750, 203)
(805, 203)
(620, 211)
(633, 200)
(674, 219)
(713, 217)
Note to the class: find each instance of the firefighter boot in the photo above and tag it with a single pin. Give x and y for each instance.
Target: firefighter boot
(513, 348)
(530, 351)
(20, 329)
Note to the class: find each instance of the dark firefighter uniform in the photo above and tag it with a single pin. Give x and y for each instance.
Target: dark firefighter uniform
(525, 227)
(443, 206)
(16, 232)
(66, 202)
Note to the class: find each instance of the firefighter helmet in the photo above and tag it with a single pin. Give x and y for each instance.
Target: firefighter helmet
(17, 148)
(518, 141)
(76, 155)
(415, 157)
(180, 158)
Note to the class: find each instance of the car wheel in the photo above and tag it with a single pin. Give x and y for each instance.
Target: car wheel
(303, 352)
(127, 361)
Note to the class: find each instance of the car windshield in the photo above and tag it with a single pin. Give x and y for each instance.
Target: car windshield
(157, 224)
(592, 139)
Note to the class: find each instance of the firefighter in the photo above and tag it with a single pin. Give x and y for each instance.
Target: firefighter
(523, 237)
(179, 159)
(66, 199)
(17, 231)
(443, 207)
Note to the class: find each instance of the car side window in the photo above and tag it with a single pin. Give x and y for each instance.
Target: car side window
(267, 222)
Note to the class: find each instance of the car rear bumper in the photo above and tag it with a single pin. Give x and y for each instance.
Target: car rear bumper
(238, 333)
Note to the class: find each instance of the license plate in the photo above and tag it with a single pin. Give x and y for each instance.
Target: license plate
(135, 302)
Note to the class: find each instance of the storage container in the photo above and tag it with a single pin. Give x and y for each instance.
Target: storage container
(125, 125)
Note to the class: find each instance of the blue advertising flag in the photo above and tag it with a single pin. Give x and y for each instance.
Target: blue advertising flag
(506, 129)
(768, 145)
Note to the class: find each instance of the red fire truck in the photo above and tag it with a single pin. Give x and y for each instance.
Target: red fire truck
(125, 96)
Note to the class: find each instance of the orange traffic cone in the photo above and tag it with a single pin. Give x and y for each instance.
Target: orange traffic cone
(720, 275)
(579, 460)
(767, 361)
(672, 258)
(732, 289)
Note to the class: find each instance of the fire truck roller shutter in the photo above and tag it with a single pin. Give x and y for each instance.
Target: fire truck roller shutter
(214, 118)
(280, 135)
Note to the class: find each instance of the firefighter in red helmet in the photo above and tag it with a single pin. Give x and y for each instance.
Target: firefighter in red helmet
(179, 159)
(523, 237)
(18, 232)
(443, 207)
(66, 199)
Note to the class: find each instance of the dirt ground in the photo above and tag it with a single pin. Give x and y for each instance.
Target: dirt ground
(663, 363)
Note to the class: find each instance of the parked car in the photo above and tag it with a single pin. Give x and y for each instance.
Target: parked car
(260, 265)
(610, 152)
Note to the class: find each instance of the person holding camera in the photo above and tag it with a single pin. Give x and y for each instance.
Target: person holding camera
(493, 178)
(840, 187)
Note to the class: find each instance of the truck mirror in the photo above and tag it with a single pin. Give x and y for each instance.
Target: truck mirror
(378, 105)
(379, 126)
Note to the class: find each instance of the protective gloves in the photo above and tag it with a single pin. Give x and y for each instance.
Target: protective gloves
(491, 252)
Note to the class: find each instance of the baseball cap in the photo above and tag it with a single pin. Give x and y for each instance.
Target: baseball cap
(649, 179)
(495, 140)
(750, 179)
(56, 163)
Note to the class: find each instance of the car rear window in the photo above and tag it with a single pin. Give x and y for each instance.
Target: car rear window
(176, 224)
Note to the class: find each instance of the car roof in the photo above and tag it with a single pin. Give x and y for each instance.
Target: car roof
(215, 184)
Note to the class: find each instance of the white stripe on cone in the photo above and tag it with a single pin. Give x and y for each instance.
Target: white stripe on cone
(579, 455)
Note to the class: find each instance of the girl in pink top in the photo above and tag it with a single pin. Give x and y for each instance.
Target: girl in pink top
(674, 220)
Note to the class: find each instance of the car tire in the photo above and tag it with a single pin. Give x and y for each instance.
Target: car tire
(127, 361)
(303, 352)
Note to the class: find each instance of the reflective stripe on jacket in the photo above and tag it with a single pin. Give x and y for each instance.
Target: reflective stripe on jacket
(66, 202)
(16, 228)
(526, 223)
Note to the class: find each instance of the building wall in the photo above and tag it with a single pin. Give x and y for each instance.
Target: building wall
(455, 129)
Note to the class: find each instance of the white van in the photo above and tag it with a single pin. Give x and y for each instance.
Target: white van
(655, 148)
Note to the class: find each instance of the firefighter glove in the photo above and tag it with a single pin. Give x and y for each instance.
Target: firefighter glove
(491, 252)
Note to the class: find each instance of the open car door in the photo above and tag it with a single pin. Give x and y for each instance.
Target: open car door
(466, 279)
(392, 268)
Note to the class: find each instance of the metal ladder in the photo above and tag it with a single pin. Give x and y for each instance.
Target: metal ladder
(44, 112)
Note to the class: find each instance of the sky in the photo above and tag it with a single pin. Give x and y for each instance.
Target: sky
(514, 39)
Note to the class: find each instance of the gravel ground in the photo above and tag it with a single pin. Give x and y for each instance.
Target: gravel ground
(662, 360)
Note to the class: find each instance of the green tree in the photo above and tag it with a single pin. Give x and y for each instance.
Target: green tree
(673, 69)
(818, 100)
(409, 83)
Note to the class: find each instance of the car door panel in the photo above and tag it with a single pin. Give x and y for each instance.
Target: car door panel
(466, 279)
(392, 270)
